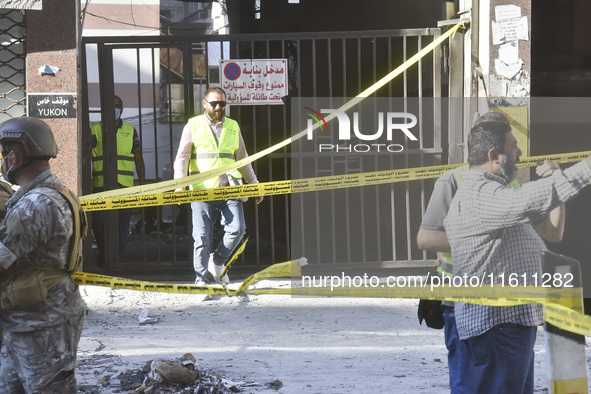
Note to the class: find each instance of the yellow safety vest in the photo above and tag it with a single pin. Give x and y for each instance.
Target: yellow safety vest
(208, 153)
(446, 266)
(125, 158)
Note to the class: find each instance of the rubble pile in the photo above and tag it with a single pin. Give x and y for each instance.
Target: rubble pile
(174, 375)
(171, 375)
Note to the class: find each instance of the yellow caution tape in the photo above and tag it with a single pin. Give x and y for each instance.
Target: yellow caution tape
(570, 386)
(551, 298)
(274, 271)
(567, 319)
(149, 195)
(234, 257)
(289, 268)
(300, 185)
(83, 278)
(182, 182)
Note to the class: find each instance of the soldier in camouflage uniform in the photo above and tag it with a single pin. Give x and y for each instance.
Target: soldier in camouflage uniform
(40, 342)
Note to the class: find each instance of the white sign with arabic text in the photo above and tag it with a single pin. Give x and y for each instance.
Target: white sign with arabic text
(254, 81)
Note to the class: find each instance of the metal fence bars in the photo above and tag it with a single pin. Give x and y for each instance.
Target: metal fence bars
(161, 81)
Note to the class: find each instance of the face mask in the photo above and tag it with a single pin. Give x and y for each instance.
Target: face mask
(8, 173)
(117, 113)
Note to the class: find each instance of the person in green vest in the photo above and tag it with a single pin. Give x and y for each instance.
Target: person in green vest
(211, 141)
(432, 236)
(129, 155)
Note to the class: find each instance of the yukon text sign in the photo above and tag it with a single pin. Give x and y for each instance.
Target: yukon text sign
(51, 105)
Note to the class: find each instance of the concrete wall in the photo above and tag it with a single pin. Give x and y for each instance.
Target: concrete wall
(52, 40)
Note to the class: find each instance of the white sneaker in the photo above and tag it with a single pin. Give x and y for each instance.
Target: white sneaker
(217, 273)
(206, 297)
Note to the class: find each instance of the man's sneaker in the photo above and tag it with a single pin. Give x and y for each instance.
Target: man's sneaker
(217, 273)
(201, 282)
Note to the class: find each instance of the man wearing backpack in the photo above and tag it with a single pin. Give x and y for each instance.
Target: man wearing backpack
(490, 229)
(41, 310)
(432, 236)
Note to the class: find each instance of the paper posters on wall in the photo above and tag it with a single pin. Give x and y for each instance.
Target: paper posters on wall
(508, 29)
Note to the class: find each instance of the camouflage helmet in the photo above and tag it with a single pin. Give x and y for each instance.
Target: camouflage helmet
(34, 134)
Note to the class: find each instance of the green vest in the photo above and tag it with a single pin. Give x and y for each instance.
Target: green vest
(208, 153)
(446, 266)
(125, 158)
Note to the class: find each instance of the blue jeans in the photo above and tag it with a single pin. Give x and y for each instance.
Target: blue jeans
(458, 356)
(503, 359)
(205, 215)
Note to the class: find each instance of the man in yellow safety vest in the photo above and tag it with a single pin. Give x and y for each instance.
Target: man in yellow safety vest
(211, 141)
(129, 153)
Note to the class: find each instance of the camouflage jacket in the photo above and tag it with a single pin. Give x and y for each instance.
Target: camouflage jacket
(37, 232)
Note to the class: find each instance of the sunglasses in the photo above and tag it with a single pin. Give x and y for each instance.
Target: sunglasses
(216, 103)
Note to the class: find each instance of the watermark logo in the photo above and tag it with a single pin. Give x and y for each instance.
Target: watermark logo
(389, 124)
(315, 115)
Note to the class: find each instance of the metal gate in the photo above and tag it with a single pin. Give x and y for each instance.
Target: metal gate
(12, 64)
(162, 80)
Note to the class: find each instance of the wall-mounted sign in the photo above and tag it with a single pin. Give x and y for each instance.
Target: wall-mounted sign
(255, 81)
(51, 105)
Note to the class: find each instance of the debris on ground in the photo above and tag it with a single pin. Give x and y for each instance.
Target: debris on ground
(173, 375)
(144, 318)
